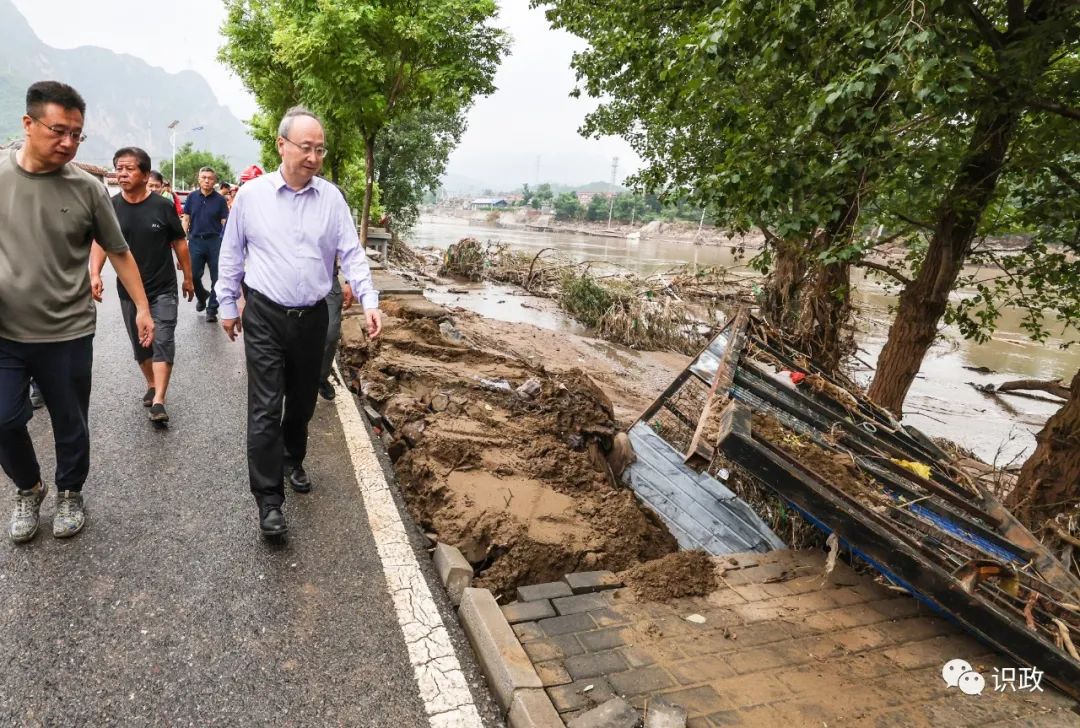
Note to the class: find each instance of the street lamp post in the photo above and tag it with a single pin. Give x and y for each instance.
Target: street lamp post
(172, 140)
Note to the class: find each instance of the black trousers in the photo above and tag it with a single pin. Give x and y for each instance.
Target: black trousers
(284, 352)
(62, 371)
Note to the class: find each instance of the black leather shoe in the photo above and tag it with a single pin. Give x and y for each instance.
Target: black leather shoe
(299, 480)
(272, 522)
(326, 389)
(200, 305)
(211, 317)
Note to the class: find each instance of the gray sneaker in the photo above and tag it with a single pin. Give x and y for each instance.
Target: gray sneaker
(24, 519)
(70, 516)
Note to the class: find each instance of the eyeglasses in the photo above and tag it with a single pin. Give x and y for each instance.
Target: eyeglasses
(306, 149)
(76, 136)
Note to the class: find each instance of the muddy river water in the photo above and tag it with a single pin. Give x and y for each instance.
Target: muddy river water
(941, 401)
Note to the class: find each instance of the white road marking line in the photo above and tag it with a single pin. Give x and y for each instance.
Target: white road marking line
(443, 688)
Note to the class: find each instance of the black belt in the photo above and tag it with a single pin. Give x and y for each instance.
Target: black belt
(296, 311)
(204, 236)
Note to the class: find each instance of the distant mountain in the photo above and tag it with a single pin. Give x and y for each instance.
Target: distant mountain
(458, 184)
(600, 187)
(129, 102)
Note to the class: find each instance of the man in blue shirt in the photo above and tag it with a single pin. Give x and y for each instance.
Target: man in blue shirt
(205, 211)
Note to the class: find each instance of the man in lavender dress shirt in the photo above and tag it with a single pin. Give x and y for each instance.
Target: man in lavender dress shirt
(282, 235)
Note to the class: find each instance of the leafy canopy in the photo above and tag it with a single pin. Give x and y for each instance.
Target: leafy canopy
(188, 163)
(818, 121)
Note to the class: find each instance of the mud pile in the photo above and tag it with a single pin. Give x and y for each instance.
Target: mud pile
(675, 576)
(500, 456)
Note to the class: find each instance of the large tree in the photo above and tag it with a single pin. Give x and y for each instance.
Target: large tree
(1017, 119)
(368, 65)
(411, 155)
(818, 121)
(781, 118)
(250, 52)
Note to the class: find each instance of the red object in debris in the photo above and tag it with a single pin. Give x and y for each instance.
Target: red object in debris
(797, 377)
(251, 173)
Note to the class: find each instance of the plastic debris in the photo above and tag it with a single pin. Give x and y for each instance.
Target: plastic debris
(920, 469)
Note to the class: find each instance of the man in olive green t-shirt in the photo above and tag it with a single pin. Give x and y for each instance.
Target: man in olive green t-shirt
(50, 212)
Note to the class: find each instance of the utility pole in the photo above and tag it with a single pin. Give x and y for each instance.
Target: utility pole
(172, 140)
(611, 198)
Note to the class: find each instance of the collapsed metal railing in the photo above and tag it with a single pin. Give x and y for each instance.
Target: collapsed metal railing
(887, 491)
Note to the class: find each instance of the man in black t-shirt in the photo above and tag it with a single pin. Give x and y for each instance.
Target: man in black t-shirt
(154, 233)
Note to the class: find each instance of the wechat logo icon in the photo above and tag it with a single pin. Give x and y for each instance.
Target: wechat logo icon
(959, 674)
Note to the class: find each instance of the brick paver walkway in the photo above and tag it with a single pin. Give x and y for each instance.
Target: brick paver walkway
(777, 647)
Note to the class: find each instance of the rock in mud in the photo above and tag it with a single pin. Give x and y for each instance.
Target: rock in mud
(413, 432)
(450, 333)
(529, 389)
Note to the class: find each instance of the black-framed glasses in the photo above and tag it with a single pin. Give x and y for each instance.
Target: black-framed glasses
(76, 136)
(306, 149)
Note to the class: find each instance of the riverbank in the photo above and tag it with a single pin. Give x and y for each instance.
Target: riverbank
(942, 401)
(528, 219)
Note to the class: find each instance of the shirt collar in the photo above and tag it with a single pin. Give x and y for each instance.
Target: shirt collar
(278, 180)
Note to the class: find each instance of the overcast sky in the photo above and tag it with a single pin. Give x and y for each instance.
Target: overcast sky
(530, 117)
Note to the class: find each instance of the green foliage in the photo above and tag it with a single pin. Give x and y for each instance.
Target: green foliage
(585, 299)
(353, 183)
(408, 70)
(188, 163)
(814, 120)
(250, 52)
(544, 194)
(597, 209)
(567, 207)
(411, 155)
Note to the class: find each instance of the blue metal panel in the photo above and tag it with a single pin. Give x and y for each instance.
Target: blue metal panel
(701, 512)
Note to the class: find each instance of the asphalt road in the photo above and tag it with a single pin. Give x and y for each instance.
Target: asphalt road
(169, 609)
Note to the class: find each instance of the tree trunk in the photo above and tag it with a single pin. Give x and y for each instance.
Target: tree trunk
(810, 302)
(784, 285)
(923, 303)
(1050, 479)
(826, 307)
(369, 186)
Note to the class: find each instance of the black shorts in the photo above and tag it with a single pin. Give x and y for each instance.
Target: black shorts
(163, 309)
